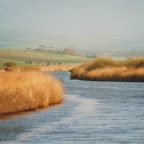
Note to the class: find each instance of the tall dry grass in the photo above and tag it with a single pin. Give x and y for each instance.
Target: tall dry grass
(115, 74)
(43, 68)
(57, 67)
(20, 91)
(103, 69)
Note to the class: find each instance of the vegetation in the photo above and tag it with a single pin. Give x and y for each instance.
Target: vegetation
(32, 58)
(106, 69)
(9, 66)
(28, 91)
(29, 69)
(62, 67)
(57, 67)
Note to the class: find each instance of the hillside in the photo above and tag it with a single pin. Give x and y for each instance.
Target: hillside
(25, 57)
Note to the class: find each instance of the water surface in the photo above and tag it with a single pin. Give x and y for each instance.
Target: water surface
(92, 113)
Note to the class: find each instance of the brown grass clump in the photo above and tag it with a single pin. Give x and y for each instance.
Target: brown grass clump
(102, 63)
(134, 63)
(20, 91)
(110, 70)
(116, 74)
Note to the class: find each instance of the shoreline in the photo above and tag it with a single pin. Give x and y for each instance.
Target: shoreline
(27, 112)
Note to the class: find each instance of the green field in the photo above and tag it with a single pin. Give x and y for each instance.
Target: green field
(41, 58)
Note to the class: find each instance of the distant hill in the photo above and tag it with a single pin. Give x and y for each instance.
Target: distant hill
(70, 51)
(39, 57)
(39, 50)
(116, 53)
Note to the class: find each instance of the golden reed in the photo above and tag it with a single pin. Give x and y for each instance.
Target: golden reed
(21, 91)
(103, 69)
(43, 68)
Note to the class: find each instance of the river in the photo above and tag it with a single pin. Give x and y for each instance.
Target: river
(92, 113)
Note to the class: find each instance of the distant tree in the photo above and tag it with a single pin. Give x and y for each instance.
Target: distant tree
(9, 66)
(29, 62)
(38, 63)
(48, 63)
(70, 51)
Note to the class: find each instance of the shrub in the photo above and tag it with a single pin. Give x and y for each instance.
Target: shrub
(29, 62)
(9, 66)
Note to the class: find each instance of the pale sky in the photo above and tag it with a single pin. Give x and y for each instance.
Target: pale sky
(81, 23)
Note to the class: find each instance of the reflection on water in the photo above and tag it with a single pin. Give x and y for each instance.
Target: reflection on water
(93, 112)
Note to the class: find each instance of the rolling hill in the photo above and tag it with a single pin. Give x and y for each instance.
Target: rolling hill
(26, 57)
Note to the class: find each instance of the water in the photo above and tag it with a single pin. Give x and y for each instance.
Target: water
(92, 113)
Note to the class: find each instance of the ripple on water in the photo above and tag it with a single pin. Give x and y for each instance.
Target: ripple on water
(93, 112)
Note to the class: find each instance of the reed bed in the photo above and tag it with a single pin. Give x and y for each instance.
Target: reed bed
(57, 67)
(28, 69)
(106, 69)
(21, 91)
(42, 68)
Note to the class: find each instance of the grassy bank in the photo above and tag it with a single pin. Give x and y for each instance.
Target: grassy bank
(106, 69)
(20, 91)
(32, 58)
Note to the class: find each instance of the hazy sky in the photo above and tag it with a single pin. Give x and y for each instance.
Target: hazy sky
(81, 23)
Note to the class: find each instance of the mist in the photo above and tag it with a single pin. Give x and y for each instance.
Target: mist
(83, 24)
